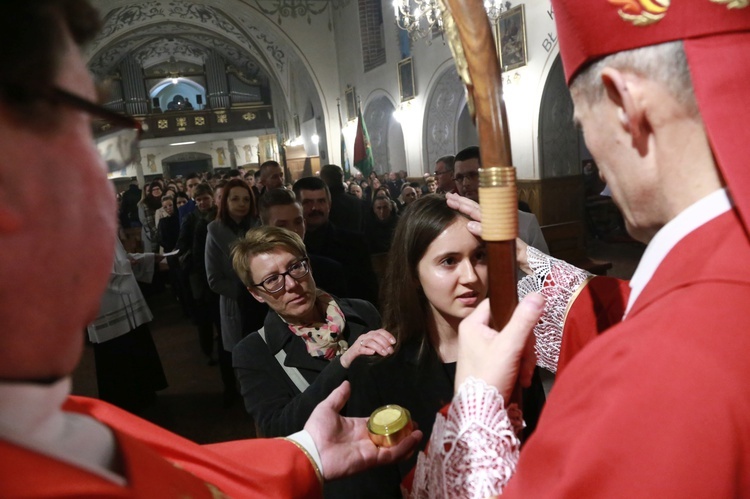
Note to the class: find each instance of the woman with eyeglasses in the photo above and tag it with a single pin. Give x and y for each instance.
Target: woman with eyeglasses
(308, 340)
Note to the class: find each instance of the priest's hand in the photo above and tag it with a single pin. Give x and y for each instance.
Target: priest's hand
(343, 443)
(499, 358)
(472, 210)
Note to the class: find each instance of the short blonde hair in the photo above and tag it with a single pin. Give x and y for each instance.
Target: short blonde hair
(263, 239)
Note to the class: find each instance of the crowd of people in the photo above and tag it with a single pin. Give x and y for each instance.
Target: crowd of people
(283, 278)
(667, 347)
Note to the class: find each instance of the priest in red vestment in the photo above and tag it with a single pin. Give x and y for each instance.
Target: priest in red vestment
(652, 397)
(57, 235)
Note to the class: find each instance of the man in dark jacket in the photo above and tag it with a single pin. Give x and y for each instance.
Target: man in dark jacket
(346, 210)
(325, 238)
(129, 205)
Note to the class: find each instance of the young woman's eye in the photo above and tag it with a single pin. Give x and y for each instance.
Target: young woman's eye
(448, 261)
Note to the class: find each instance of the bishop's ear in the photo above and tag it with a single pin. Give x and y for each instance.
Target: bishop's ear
(623, 90)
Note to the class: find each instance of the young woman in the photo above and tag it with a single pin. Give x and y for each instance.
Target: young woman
(436, 276)
(149, 203)
(236, 215)
(181, 199)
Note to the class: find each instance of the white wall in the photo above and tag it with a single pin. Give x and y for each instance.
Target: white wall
(523, 87)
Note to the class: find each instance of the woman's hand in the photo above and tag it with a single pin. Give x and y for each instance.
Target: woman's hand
(378, 342)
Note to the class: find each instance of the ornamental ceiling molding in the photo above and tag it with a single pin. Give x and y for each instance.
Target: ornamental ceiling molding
(282, 9)
(158, 51)
(175, 17)
(151, 50)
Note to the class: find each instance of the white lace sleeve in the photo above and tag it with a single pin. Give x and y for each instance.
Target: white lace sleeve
(473, 452)
(558, 282)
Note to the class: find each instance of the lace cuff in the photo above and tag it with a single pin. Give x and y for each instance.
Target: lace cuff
(473, 451)
(558, 282)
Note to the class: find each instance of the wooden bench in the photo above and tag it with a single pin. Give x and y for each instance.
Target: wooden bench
(567, 241)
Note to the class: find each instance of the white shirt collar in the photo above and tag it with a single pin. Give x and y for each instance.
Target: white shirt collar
(31, 416)
(694, 216)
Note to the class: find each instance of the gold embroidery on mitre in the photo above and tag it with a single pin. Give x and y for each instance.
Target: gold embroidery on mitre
(644, 12)
(733, 4)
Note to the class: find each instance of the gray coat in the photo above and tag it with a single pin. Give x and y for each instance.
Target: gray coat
(223, 280)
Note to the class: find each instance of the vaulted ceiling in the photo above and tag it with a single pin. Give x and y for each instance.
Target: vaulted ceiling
(179, 35)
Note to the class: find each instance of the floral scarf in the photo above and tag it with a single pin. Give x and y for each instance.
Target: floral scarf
(324, 339)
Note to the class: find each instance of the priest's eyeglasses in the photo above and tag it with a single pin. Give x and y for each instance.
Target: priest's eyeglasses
(118, 145)
(276, 282)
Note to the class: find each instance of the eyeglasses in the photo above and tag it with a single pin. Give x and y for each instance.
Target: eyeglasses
(437, 174)
(117, 147)
(275, 283)
(466, 176)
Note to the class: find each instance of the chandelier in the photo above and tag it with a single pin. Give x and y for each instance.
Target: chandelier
(421, 18)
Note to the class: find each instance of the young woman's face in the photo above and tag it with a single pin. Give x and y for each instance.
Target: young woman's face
(181, 202)
(168, 206)
(238, 202)
(453, 271)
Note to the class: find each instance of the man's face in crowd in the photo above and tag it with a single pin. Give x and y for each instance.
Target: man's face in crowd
(70, 264)
(204, 202)
(191, 185)
(288, 216)
(444, 177)
(382, 209)
(273, 177)
(315, 207)
(409, 194)
(356, 190)
(466, 176)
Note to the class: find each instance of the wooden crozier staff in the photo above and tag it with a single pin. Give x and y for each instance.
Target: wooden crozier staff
(470, 37)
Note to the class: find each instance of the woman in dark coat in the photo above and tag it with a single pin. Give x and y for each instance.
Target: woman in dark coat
(309, 338)
(380, 223)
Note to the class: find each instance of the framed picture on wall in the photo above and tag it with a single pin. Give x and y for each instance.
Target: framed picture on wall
(511, 38)
(406, 79)
(351, 104)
